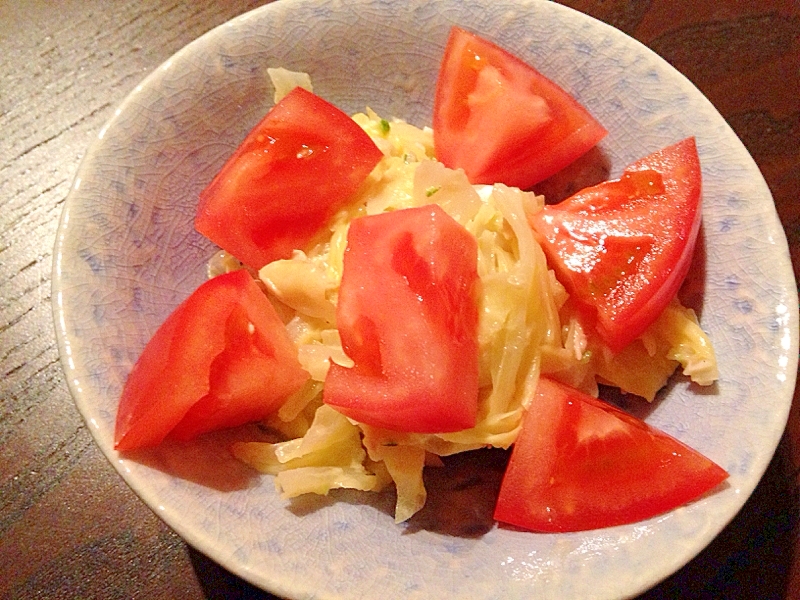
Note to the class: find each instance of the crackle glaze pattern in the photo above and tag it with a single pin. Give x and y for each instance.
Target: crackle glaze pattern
(126, 254)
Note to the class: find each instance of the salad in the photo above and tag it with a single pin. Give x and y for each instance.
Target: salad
(388, 295)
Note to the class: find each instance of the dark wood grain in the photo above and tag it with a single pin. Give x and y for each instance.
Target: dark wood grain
(69, 526)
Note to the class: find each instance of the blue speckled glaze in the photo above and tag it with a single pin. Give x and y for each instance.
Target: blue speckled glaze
(127, 254)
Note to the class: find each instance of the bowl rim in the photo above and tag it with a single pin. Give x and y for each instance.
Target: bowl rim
(62, 334)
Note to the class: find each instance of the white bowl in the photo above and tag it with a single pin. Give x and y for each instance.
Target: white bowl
(127, 254)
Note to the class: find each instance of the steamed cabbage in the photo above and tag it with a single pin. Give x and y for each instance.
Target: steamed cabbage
(527, 327)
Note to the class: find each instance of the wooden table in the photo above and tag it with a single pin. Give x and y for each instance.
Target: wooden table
(69, 526)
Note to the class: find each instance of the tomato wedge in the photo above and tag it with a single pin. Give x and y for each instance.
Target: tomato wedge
(623, 248)
(407, 315)
(501, 120)
(580, 463)
(221, 359)
(291, 174)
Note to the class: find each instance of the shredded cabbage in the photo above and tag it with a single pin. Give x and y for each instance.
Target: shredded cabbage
(527, 327)
(330, 455)
(284, 81)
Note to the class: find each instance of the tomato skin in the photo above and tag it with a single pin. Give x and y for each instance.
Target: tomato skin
(501, 120)
(580, 463)
(196, 372)
(407, 315)
(622, 248)
(289, 176)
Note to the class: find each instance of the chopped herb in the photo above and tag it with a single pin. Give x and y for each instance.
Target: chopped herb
(432, 190)
(385, 127)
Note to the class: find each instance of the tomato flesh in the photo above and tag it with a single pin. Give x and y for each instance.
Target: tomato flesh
(289, 176)
(580, 463)
(501, 120)
(623, 248)
(407, 315)
(221, 359)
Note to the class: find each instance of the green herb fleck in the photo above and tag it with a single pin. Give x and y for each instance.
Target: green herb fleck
(385, 127)
(432, 190)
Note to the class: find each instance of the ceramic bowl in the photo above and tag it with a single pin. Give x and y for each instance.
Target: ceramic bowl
(127, 254)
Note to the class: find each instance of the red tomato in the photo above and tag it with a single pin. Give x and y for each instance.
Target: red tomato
(580, 463)
(291, 174)
(408, 317)
(622, 248)
(221, 359)
(501, 120)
